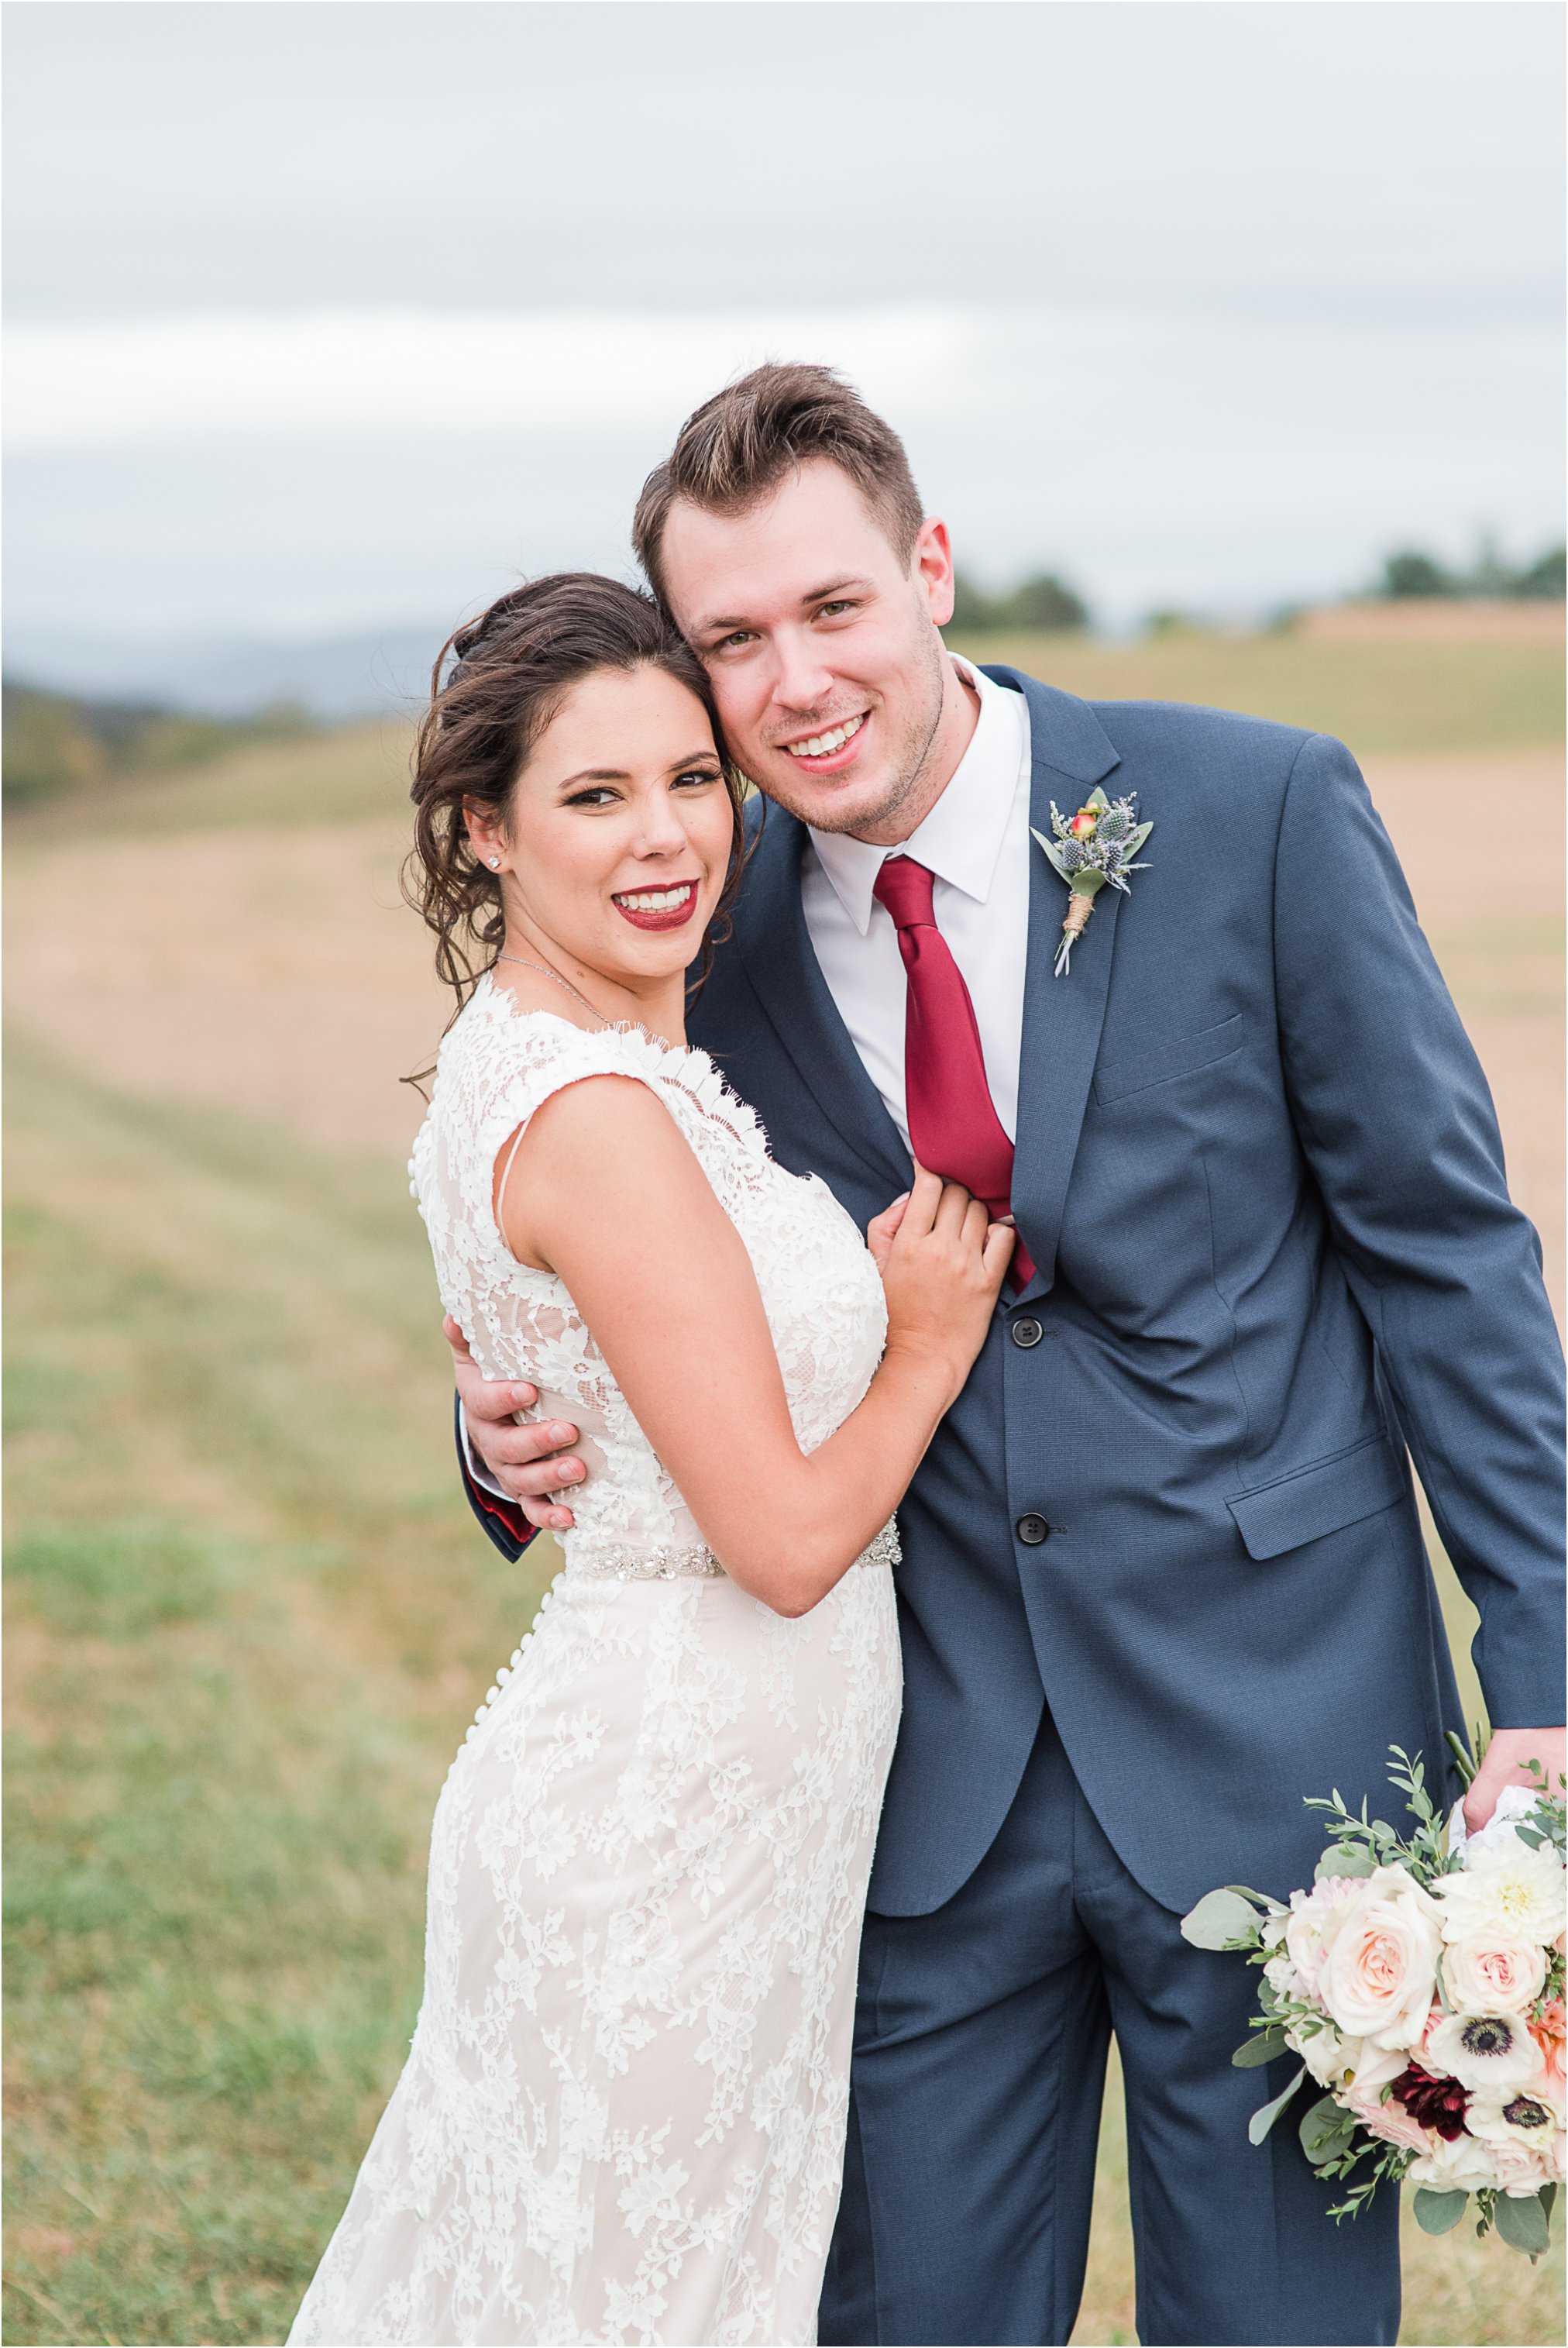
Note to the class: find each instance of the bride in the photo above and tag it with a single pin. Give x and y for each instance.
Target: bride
(622, 2116)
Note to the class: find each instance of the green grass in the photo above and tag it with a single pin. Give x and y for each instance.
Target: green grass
(337, 776)
(249, 1618)
(1378, 697)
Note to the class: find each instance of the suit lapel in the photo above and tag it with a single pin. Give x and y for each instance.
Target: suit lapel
(1063, 1017)
(786, 977)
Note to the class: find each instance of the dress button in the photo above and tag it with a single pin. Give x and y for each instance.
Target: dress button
(1033, 1531)
(1027, 1331)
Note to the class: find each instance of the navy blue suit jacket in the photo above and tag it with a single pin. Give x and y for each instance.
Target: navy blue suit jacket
(1259, 1174)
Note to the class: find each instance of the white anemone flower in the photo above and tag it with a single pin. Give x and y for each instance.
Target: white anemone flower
(1489, 2053)
(1521, 2118)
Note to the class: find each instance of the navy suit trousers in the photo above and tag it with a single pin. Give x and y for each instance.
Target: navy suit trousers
(978, 2073)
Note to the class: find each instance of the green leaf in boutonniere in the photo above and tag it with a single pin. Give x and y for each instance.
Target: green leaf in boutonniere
(1096, 846)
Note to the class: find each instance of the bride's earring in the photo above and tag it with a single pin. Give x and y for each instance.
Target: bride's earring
(496, 863)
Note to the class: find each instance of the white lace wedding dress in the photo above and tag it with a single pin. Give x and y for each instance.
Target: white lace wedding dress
(623, 2116)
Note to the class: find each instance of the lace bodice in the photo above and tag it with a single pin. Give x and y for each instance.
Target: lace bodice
(820, 1288)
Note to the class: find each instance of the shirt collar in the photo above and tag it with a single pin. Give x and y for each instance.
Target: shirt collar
(961, 838)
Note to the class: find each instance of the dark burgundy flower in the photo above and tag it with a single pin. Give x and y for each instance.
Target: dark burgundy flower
(1437, 2103)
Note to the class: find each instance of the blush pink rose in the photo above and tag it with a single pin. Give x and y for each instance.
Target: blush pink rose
(1389, 2120)
(1380, 1960)
(1486, 1973)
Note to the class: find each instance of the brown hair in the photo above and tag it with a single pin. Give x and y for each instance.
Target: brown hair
(511, 669)
(740, 444)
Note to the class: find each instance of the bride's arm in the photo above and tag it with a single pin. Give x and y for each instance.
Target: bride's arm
(607, 1193)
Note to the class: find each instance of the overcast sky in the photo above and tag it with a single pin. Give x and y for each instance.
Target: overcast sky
(329, 317)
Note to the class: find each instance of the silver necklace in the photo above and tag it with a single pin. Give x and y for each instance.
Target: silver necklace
(545, 972)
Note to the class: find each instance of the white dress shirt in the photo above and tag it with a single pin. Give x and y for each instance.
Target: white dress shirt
(976, 841)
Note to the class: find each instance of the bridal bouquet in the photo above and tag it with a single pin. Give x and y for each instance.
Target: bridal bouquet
(1420, 1982)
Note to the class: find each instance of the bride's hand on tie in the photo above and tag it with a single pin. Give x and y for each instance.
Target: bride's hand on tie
(942, 1262)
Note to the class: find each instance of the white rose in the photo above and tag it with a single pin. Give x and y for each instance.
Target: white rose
(1521, 2169)
(1462, 2166)
(1489, 2053)
(1380, 1956)
(1486, 1975)
(1335, 2061)
(1330, 2058)
(1311, 1924)
(1283, 1978)
(1510, 1891)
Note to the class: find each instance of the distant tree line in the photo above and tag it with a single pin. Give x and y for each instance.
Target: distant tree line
(53, 740)
(1041, 602)
(1410, 572)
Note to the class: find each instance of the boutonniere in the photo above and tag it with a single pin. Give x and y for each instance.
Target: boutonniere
(1095, 846)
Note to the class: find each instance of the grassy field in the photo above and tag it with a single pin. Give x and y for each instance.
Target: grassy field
(1376, 697)
(248, 1616)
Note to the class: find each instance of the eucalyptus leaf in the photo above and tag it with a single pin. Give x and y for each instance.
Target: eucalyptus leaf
(1136, 838)
(1262, 2120)
(1523, 2224)
(1088, 884)
(1054, 850)
(1219, 1920)
(1259, 2050)
(1326, 2131)
(1439, 2213)
(1097, 800)
(1344, 1859)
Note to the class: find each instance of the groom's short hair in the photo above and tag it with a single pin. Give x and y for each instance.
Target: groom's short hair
(738, 446)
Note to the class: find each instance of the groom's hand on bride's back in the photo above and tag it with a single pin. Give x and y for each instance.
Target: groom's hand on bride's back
(531, 1464)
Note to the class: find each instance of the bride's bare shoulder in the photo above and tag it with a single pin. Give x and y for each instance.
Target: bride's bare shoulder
(603, 1155)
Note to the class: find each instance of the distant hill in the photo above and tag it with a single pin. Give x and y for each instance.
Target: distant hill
(341, 677)
(55, 740)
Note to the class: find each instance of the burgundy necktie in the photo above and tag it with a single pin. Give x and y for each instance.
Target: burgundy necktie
(954, 1128)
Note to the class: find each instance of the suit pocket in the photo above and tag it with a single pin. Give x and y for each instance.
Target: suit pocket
(1161, 1062)
(1322, 1499)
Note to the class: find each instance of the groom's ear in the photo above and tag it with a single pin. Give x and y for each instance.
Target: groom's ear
(932, 570)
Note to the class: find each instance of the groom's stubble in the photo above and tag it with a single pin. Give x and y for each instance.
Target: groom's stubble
(917, 780)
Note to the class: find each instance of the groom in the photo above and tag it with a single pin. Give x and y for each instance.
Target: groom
(1162, 1569)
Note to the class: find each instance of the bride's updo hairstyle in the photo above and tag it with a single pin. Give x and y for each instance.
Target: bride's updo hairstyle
(496, 684)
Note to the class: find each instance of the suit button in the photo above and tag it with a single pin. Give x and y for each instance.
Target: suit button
(1027, 1331)
(1033, 1531)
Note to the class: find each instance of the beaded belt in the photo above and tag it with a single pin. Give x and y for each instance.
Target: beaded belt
(620, 1561)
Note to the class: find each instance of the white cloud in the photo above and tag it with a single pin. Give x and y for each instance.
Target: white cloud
(394, 373)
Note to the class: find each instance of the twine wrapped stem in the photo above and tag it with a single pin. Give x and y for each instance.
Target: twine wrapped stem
(1079, 905)
(1079, 909)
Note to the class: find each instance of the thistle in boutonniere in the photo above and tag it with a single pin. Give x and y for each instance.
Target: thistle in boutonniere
(1095, 846)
